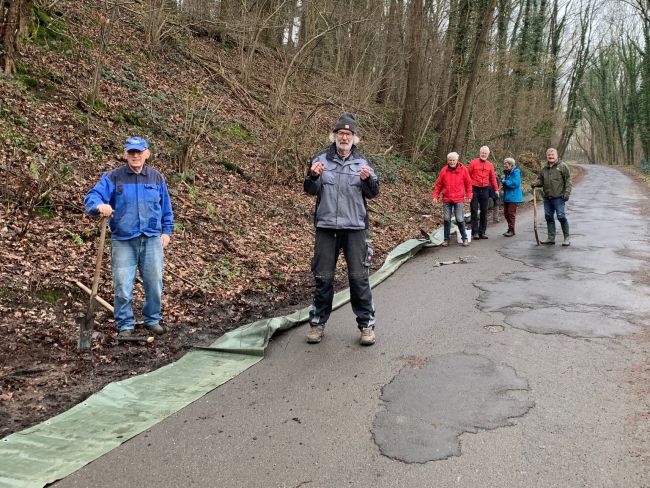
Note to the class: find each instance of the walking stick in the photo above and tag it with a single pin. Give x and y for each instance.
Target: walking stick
(535, 216)
(86, 323)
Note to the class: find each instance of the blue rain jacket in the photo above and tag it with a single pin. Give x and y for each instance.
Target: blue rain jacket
(140, 202)
(511, 184)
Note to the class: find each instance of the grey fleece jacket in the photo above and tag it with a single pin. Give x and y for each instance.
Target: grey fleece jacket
(341, 194)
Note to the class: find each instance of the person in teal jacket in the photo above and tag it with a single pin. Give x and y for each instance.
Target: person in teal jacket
(136, 199)
(512, 195)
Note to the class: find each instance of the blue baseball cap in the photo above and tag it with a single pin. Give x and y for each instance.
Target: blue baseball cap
(135, 144)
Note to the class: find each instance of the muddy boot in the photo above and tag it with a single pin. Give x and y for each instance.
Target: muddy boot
(367, 336)
(550, 239)
(315, 334)
(565, 231)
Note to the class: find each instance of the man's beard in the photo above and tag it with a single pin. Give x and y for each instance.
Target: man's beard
(341, 149)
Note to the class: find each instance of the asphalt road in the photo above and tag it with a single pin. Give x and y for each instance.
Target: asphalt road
(515, 369)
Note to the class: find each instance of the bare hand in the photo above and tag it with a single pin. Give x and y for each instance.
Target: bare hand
(164, 238)
(364, 174)
(437, 199)
(105, 210)
(317, 168)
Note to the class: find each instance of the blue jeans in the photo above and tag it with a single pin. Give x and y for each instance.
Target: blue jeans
(457, 209)
(145, 254)
(551, 207)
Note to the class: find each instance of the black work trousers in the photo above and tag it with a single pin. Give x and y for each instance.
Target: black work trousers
(480, 198)
(357, 251)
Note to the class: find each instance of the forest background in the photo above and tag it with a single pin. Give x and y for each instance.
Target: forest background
(235, 96)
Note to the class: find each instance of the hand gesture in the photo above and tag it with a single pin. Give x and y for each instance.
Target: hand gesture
(317, 168)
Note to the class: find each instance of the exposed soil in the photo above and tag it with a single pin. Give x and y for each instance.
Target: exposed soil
(243, 241)
(244, 231)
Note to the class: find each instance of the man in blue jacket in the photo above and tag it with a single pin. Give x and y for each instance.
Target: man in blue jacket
(342, 179)
(136, 199)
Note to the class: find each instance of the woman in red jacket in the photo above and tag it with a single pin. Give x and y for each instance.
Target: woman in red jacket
(456, 187)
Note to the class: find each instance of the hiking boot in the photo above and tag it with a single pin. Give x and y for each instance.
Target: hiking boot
(315, 334)
(566, 241)
(367, 336)
(475, 236)
(509, 233)
(125, 333)
(482, 236)
(155, 328)
(465, 243)
(445, 243)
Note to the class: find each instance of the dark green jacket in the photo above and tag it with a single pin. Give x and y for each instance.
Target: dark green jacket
(555, 180)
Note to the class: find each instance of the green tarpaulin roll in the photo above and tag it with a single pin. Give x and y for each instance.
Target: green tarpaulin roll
(57, 447)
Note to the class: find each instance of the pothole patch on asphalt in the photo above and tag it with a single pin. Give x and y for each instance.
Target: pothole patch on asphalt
(427, 409)
(494, 328)
(572, 304)
(553, 320)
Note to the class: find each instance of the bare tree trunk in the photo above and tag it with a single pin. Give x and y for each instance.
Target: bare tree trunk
(520, 69)
(572, 114)
(14, 20)
(271, 22)
(389, 53)
(473, 74)
(503, 19)
(460, 14)
(555, 43)
(106, 25)
(411, 102)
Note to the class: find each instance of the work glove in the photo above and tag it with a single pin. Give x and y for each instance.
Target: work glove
(565, 198)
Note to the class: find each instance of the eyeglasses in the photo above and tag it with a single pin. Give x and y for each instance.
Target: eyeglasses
(343, 134)
(134, 152)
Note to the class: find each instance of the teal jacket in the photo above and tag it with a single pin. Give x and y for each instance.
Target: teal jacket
(511, 184)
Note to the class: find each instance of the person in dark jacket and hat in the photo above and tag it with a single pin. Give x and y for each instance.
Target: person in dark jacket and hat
(342, 178)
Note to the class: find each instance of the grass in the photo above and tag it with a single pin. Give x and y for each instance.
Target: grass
(51, 295)
(237, 131)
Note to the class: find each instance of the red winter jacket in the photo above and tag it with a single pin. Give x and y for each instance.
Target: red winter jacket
(482, 173)
(454, 184)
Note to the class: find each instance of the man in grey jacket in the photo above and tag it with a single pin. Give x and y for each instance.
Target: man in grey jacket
(342, 179)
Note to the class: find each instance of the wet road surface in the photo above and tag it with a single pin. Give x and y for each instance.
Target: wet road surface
(512, 369)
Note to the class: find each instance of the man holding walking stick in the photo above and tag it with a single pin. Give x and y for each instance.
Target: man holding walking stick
(555, 179)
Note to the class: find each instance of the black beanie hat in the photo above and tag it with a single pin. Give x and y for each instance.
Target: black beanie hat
(346, 121)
